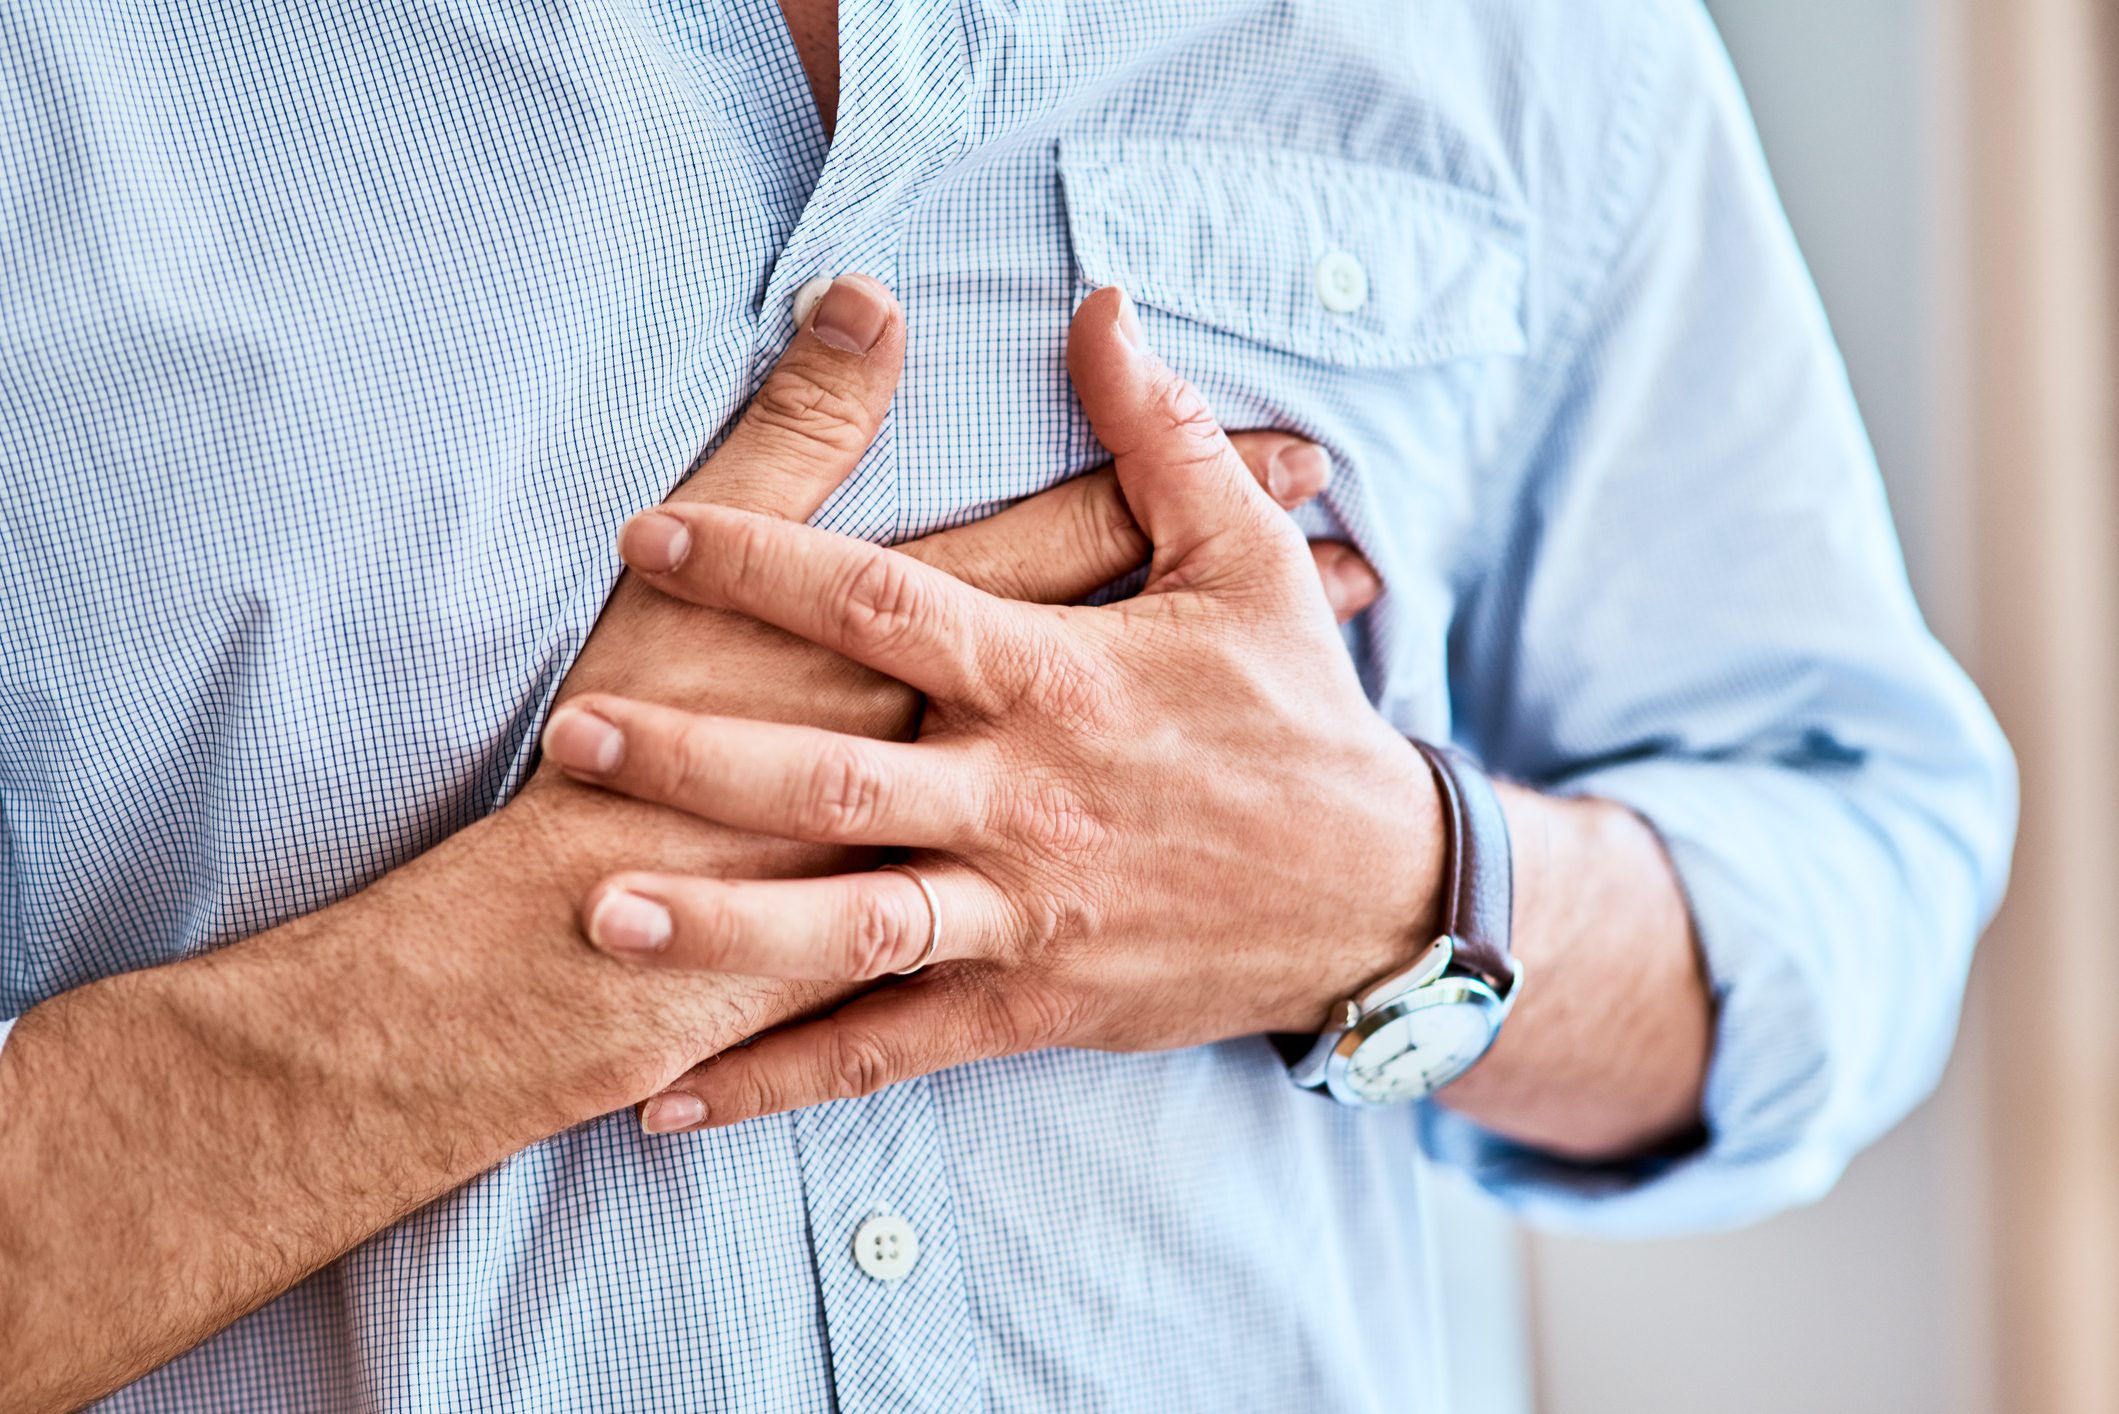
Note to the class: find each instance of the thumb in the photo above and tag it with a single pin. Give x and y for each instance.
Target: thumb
(1185, 483)
(817, 411)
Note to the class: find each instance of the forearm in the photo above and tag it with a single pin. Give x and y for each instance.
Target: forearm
(179, 1145)
(1606, 1055)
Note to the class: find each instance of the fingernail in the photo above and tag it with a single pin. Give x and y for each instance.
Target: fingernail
(1297, 471)
(1355, 581)
(580, 740)
(653, 542)
(627, 922)
(1129, 324)
(666, 1114)
(852, 315)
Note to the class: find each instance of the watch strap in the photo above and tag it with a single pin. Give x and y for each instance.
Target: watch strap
(1478, 872)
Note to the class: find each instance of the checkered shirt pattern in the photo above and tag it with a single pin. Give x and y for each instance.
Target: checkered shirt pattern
(337, 339)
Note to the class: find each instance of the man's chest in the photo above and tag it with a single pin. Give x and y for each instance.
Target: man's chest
(353, 349)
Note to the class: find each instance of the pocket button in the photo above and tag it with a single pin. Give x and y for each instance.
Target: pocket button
(1342, 282)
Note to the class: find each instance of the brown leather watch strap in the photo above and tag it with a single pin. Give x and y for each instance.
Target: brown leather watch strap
(1478, 874)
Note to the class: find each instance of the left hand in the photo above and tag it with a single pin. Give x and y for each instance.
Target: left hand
(1155, 824)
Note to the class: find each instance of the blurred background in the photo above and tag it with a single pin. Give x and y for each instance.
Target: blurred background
(1951, 176)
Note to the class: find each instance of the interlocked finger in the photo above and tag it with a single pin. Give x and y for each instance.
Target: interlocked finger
(1067, 542)
(879, 607)
(847, 928)
(887, 1036)
(1187, 486)
(800, 783)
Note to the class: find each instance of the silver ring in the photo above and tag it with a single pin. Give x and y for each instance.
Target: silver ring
(934, 914)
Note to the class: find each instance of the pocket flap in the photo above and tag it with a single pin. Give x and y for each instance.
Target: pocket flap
(1342, 262)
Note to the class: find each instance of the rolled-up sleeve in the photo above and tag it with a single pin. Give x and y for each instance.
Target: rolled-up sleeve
(1694, 604)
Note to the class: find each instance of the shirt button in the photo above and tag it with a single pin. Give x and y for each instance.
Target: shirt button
(885, 1247)
(806, 297)
(1342, 283)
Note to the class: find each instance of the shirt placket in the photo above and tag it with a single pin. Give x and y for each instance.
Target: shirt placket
(889, 1259)
(905, 100)
(875, 1175)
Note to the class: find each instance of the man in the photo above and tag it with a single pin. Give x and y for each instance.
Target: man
(352, 338)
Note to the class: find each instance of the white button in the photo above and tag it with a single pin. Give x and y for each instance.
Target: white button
(886, 1247)
(806, 298)
(1342, 283)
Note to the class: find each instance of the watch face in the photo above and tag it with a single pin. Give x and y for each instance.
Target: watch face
(1422, 1047)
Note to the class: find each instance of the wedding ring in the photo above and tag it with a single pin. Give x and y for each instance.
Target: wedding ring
(934, 914)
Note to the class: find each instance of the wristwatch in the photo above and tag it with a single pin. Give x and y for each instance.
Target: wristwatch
(1412, 1032)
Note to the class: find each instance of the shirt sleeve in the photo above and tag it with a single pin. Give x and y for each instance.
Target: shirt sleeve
(1695, 605)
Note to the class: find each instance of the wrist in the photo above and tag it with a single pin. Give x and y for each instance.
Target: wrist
(1408, 1032)
(1607, 1057)
(1396, 881)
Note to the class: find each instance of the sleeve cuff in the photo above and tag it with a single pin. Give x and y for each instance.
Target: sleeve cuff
(1784, 1104)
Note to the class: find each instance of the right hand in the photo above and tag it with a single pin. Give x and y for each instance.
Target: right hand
(799, 438)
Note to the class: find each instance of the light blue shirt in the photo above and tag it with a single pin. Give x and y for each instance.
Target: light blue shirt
(337, 340)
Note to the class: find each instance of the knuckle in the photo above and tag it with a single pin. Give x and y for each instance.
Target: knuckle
(687, 761)
(711, 924)
(842, 796)
(858, 1063)
(876, 935)
(883, 603)
(1047, 925)
(746, 1089)
(1053, 819)
(796, 405)
(743, 552)
(1183, 425)
(1043, 1016)
(1019, 1011)
(1179, 413)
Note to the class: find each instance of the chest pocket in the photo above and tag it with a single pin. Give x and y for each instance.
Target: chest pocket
(1343, 263)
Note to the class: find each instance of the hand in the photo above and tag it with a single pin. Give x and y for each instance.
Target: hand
(800, 437)
(179, 1144)
(1165, 822)
(802, 434)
